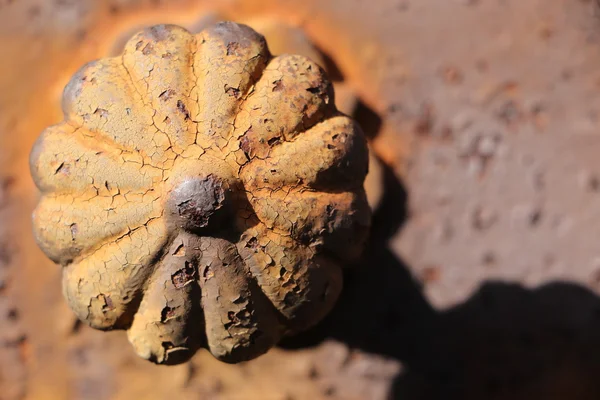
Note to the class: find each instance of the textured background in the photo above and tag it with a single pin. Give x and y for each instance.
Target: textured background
(482, 276)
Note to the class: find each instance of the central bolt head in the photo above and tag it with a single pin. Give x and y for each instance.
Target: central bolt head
(197, 203)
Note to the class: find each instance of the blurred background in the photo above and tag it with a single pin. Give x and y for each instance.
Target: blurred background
(482, 274)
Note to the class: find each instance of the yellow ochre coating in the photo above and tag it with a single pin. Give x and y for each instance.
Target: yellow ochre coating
(201, 193)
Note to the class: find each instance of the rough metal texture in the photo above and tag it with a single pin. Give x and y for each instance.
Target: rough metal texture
(500, 329)
(201, 193)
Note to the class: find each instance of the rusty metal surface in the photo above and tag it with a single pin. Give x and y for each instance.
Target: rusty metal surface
(481, 280)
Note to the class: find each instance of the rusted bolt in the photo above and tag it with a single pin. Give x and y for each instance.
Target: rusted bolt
(213, 193)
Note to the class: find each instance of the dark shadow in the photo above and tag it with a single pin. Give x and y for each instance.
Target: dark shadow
(392, 211)
(368, 119)
(509, 342)
(333, 71)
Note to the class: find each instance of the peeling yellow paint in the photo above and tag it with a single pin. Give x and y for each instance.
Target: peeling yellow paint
(201, 193)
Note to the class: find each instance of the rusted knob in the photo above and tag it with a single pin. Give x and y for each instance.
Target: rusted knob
(201, 193)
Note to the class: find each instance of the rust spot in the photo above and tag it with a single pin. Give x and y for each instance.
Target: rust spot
(64, 168)
(183, 109)
(331, 211)
(13, 314)
(546, 31)
(278, 86)
(5, 254)
(166, 95)
(233, 48)
(102, 112)
(535, 217)
(424, 123)
(183, 276)
(148, 49)
(273, 141)
(179, 251)
(233, 319)
(245, 146)
(452, 75)
(509, 113)
(76, 326)
(5, 187)
(483, 219)
(329, 391)
(233, 92)
(22, 344)
(166, 314)
(252, 243)
(74, 231)
(489, 259)
(108, 303)
(431, 273)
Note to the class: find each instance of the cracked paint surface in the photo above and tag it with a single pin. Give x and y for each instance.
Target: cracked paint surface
(201, 193)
